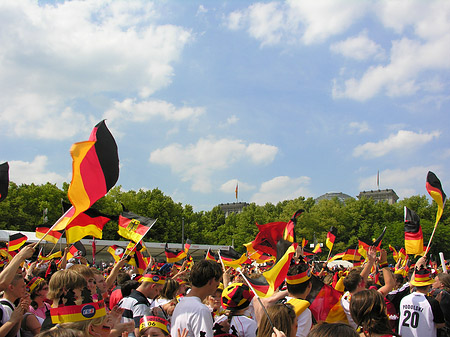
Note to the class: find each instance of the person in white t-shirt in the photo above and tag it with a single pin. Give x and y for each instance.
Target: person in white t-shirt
(190, 312)
(420, 315)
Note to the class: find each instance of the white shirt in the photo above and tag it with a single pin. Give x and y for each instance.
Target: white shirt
(416, 317)
(192, 314)
(345, 303)
(245, 326)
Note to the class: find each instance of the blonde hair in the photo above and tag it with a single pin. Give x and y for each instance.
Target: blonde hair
(64, 280)
(83, 270)
(282, 317)
(83, 326)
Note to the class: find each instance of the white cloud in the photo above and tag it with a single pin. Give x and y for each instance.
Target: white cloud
(230, 186)
(297, 21)
(34, 172)
(30, 115)
(405, 183)
(359, 48)
(142, 111)
(281, 188)
(201, 10)
(359, 127)
(403, 141)
(427, 49)
(197, 162)
(72, 51)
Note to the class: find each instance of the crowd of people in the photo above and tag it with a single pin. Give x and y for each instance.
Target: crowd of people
(206, 299)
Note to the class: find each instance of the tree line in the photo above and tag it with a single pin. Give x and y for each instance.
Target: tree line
(23, 210)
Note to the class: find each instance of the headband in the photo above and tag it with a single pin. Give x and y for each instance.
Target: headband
(299, 278)
(154, 322)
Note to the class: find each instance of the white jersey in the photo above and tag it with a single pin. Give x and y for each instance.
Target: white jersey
(418, 315)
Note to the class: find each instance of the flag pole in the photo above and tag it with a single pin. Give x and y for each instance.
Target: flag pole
(329, 253)
(54, 225)
(220, 258)
(429, 242)
(257, 296)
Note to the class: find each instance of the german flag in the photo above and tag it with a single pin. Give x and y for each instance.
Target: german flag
(289, 232)
(95, 170)
(325, 302)
(331, 236)
(50, 257)
(4, 180)
(434, 188)
(173, 256)
(116, 252)
(317, 249)
(232, 258)
(134, 247)
(349, 254)
(52, 236)
(141, 262)
(87, 223)
(76, 250)
(304, 242)
(210, 256)
(187, 245)
(270, 280)
(134, 227)
(413, 233)
(16, 241)
(394, 252)
(363, 245)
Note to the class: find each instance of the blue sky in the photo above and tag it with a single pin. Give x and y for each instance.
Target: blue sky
(294, 98)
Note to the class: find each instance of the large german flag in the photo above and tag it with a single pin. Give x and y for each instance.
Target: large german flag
(173, 256)
(270, 280)
(331, 236)
(413, 233)
(16, 241)
(52, 236)
(134, 227)
(95, 170)
(325, 302)
(435, 190)
(87, 223)
(4, 180)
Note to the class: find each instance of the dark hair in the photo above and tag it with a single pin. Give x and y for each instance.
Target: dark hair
(300, 288)
(35, 294)
(204, 271)
(128, 286)
(282, 317)
(368, 310)
(122, 277)
(399, 278)
(332, 330)
(352, 280)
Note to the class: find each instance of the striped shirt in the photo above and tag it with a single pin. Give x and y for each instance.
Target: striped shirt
(136, 305)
